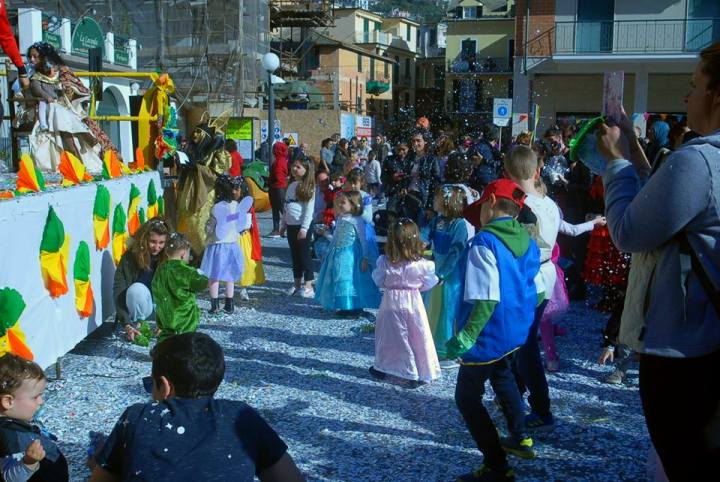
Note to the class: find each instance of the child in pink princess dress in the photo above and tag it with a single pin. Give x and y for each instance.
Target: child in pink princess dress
(404, 348)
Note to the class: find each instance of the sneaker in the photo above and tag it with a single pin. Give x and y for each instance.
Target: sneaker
(616, 377)
(520, 448)
(534, 421)
(292, 291)
(486, 474)
(552, 365)
(244, 295)
(448, 364)
(307, 292)
(377, 373)
(274, 234)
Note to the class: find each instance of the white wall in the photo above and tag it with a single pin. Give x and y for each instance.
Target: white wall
(650, 9)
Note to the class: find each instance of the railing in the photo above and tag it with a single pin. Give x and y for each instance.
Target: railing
(481, 65)
(636, 36)
(373, 37)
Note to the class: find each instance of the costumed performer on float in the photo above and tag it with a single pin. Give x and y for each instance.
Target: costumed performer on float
(207, 160)
(64, 124)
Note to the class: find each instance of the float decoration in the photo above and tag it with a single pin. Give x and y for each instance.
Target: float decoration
(29, 177)
(119, 236)
(12, 338)
(84, 299)
(101, 217)
(54, 249)
(132, 214)
(73, 170)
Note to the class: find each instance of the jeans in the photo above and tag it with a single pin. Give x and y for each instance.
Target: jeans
(468, 398)
(681, 399)
(277, 201)
(139, 302)
(300, 254)
(529, 370)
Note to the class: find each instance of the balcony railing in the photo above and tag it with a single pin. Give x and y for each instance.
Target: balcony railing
(636, 36)
(373, 37)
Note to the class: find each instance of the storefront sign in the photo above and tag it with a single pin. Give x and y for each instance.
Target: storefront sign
(240, 129)
(87, 35)
(122, 56)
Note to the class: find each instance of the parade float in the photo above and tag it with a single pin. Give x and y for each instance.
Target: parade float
(64, 230)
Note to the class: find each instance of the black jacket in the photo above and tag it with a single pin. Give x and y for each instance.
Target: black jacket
(16, 435)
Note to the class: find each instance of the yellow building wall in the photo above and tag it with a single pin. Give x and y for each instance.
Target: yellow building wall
(491, 37)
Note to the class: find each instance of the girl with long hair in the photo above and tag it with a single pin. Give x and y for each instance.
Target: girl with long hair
(299, 209)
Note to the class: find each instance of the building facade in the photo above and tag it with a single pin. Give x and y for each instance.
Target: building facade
(478, 57)
(564, 47)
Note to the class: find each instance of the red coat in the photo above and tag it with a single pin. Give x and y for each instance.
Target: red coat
(237, 164)
(279, 169)
(7, 39)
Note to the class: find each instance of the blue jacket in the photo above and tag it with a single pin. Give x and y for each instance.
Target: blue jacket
(517, 259)
(682, 196)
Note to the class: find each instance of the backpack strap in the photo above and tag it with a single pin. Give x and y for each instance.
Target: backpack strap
(709, 287)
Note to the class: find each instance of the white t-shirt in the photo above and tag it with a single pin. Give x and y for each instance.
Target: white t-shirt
(548, 219)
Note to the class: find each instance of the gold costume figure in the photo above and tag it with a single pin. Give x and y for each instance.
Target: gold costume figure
(197, 182)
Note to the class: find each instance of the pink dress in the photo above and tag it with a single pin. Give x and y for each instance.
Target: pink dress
(403, 342)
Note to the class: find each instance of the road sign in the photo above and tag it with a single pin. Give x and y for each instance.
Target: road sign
(293, 139)
(502, 111)
(264, 131)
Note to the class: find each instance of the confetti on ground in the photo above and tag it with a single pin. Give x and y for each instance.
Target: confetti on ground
(306, 372)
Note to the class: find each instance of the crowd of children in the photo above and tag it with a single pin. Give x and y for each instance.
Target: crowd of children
(472, 285)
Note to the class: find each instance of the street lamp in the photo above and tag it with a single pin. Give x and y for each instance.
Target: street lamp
(270, 63)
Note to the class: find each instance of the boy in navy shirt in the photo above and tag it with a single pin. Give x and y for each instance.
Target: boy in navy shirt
(501, 289)
(186, 434)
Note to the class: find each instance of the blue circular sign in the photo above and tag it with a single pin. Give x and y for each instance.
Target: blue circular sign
(502, 110)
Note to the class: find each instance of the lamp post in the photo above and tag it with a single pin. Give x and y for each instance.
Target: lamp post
(270, 63)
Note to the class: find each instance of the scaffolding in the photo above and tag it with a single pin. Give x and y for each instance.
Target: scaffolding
(291, 22)
(211, 48)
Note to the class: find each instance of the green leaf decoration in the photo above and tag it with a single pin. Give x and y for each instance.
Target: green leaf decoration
(134, 192)
(161, 206)
(102, 202)
(40, 177)
(119, 220)
(151, 193)
(141, 215)
(11, 307)
(81, 268)
(53, 233)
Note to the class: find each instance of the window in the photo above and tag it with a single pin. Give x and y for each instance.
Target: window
(469, 12)
(433, 36)
(595, 25)
(386, 68)
(408, 33)
(467, 49)
(360, 63)
(396, 70)
(372, 68)
(407, 69)
(377, 26)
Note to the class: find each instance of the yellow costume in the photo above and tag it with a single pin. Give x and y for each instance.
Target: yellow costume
(197, 191)
(253, 272)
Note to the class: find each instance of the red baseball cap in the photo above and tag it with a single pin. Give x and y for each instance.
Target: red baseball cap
(504, 188)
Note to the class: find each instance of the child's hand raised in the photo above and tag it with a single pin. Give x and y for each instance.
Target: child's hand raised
(600, 220)
(34, 453)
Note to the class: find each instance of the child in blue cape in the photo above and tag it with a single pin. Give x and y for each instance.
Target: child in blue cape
(345, 283)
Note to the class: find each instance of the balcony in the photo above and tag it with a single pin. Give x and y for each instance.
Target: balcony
(636, 36)
(377, 87)
(374, 37)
